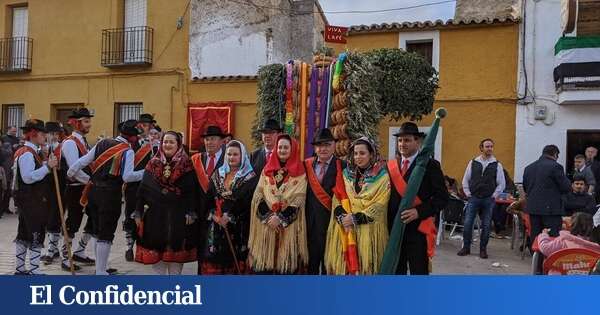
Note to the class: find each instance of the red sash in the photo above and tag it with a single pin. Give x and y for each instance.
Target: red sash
(108, 155)
(316, 187)
(427, 226)
(141, 154)
(24, 149)
(200, 172)
(80, 146)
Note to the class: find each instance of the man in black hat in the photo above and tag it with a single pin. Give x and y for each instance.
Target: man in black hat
(143, 153)
(321, 173)
(213, 157)
(72, 149)
(53, 227)
(32, 195)
(269, 133)
(111, 162)
(432, 197)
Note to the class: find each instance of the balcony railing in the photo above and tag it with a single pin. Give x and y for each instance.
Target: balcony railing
(130, 46)
(15, 54)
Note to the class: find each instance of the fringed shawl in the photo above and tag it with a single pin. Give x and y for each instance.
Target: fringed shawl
(371, 238)
(290, 244)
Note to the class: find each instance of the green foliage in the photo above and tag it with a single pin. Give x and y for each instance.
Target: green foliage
(407, 83)
(270, 98)
(326, 51)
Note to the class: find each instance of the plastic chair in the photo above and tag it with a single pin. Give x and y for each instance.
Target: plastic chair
(457, 222)
(571, 261)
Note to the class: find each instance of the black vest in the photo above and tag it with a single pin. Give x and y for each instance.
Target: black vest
(483, 182)
(102, 176)
(64, 167)
(37, 190)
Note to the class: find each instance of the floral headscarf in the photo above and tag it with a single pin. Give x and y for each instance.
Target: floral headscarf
(168, 171)
(375, 162)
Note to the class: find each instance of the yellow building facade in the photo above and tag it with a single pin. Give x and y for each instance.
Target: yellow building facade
(477, 65)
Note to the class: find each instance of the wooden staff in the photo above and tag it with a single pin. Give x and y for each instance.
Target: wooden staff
(62, 221)
(237, 265)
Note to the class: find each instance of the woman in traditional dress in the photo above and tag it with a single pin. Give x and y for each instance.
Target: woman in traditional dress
(230, 194)
(277, 241)
(165, 213)
(361, 220)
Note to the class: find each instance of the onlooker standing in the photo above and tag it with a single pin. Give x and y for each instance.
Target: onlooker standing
(591, 162)
(6, 163)
(11, 137)
(483, 181)
(585, 171)
(578, 200)
(544, 182)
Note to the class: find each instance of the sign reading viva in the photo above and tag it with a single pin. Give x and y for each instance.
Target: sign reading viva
(335, 34)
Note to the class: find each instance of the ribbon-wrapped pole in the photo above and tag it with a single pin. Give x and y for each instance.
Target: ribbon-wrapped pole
(393, 249)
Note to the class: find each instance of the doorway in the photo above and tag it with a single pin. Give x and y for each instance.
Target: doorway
(577, 141)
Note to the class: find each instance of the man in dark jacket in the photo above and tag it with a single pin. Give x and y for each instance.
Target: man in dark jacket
(260, 156)
(545, 183)
(579, 200)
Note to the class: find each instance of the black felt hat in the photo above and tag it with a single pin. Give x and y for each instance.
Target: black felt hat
(34, 124)
(271, 125)
(324, 135)
(409, 128)
(214, 131)
(129, 128)
(81, 113)
(147, 118)
(53, 126)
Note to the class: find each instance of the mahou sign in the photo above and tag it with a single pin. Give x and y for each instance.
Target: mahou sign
(335, 34)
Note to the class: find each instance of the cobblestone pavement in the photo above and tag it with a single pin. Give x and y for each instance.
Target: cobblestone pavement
(501, 260)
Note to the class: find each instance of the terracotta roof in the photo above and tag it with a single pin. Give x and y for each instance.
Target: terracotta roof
(394, 27)
(226, 78)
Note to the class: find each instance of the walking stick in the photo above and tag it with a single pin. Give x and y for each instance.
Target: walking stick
(237, 265)
(62, 221)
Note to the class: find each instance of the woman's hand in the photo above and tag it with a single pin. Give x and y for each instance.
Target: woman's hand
(224, 220)
(348, 221)
(189, 220)
(275, 223)
(138, 221)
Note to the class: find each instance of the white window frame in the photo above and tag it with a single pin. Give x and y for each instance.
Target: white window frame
(135, 39)
(433, 36)
(392, 142)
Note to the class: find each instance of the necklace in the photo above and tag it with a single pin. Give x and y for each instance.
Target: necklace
(167, 171)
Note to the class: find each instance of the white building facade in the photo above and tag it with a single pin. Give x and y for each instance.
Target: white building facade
(558, 88)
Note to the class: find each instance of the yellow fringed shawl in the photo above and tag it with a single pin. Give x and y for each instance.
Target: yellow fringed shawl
(292, 250)
(371, 238)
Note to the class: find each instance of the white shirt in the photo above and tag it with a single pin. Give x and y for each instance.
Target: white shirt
(71, 153)
(128, 176)
(26, 164)
(410, 159)
(318, 165)
(500, 180)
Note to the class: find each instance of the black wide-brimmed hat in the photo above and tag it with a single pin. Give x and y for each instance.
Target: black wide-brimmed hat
(129, 128)
(81, 113)
(271, 125)
(53, 126)
(324, 135)
(147, 118)
(214, 131)
(409, 128)
(34, 124)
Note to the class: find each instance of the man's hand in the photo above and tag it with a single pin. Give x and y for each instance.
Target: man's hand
(409, 215)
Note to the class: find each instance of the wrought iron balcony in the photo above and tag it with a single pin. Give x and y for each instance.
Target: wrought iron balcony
(130, 46)
(15, 54)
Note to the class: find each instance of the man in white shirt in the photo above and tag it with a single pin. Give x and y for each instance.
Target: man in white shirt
(32, 194)
(111, 162)
(482, 183)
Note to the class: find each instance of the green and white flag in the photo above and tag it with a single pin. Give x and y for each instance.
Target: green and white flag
(577, 59)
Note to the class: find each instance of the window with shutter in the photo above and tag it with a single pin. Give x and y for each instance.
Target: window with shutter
(19, 47)
(134, 37)
(126, 111)
(13, 115)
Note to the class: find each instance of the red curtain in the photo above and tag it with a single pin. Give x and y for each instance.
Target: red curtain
(202, 115)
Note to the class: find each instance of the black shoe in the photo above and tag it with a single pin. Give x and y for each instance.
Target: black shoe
(47, 259)
(111, 271)
(464, 252)
(483, 254)
(83, 260)
(66, 267)
(129, 255)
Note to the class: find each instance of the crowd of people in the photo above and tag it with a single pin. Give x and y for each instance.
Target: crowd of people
(263, 212)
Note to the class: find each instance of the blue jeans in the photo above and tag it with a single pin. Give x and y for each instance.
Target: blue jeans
(484, 207)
